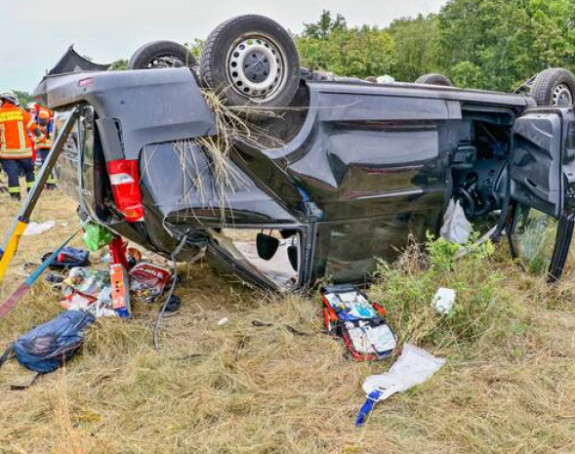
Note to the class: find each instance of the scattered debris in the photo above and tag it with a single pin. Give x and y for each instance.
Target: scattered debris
(444, 300)
(456, 228)
(54, 279)
(69, 257)
(96, 236)
(349, 314)
(101, 307)
(223, 321)
(35, 228)
(290, 328)
(86, 281)
(47, 347)
(148, 280)
(13, 299)
(119, 277)
(413, 367)
(88, 290)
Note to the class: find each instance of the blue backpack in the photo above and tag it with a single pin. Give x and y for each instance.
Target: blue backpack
(49, 346)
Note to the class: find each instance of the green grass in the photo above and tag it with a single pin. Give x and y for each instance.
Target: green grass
(508, 385)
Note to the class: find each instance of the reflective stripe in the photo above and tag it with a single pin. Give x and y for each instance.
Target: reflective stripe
(15, 142)
(14, 189)
(2, 138)
(12, 115)
(21, 134)
(22, 153)
(29, 184)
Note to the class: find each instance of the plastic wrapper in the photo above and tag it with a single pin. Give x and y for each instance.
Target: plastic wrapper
(96, 236)
(413, 367)
(456, 228)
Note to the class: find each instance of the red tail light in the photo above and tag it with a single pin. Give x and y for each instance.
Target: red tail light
(125, 181)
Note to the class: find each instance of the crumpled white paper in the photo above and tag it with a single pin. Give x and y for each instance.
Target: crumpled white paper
(34, 228)
(456, 228)
(444, 300)
(413, 367)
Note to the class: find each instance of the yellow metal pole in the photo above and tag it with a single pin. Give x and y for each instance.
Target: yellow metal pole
(12, 239)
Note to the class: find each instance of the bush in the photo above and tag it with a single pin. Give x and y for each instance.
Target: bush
(407, 288)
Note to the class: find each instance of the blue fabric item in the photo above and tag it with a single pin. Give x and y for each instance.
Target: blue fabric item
(13, 167)
(49, 346)
(73, 257)
(366, 408)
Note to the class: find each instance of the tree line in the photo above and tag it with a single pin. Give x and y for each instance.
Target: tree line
(489, 44)
(486, 44)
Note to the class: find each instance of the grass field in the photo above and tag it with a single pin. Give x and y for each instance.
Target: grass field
(508, 385)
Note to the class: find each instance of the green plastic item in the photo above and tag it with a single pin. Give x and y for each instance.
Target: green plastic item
(96, 236)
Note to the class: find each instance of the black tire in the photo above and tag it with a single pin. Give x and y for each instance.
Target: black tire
(162, 54)
(434, 79)
(554, 87)
(228, 51)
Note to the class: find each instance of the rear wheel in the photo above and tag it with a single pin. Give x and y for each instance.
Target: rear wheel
(434, 79)
(161, 54)
(251, 61)
(554, 87)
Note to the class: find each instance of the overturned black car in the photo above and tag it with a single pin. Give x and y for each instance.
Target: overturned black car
(323, 175)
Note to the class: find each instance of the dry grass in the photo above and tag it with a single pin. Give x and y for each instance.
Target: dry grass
(509, 388)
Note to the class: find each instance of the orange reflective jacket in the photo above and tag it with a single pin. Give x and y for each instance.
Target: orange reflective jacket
(44, 120)
(16, 126)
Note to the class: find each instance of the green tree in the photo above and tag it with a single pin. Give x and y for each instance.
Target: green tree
(506, 42)
(23, 97)
(466, 74)
(416, 46)
(325, 26)
(119, 65)
(196, 47)
(359, 51)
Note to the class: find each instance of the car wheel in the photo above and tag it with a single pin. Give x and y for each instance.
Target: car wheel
(554, 87)
(434, 79)
(161, 54)
(251, 61)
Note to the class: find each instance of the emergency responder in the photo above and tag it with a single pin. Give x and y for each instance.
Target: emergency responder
(32, 109)
(16, 143)
(44, 119)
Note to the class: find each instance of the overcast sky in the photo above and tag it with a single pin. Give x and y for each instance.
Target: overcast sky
(35, 33)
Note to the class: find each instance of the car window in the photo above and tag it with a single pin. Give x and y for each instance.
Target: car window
(534, 239)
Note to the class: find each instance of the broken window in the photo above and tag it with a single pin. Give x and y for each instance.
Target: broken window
(534, 239)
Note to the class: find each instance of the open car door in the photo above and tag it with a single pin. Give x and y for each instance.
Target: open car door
(542, 189)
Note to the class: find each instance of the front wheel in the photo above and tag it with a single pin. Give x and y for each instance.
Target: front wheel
(554, 87)
(251, 61)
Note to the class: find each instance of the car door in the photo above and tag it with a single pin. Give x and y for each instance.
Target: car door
(542, 189)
